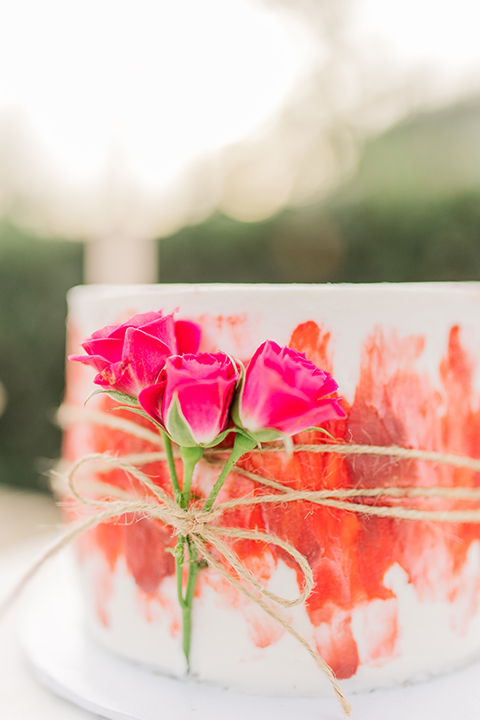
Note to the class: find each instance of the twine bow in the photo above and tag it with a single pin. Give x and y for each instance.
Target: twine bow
(198, 526)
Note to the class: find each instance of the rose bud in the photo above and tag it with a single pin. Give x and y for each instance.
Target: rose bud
(283, 393)
(192, 398)
(130, 356)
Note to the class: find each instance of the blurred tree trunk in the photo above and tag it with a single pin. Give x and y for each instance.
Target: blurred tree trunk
(117, 259)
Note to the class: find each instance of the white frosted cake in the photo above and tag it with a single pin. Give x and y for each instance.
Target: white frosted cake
(394, 600)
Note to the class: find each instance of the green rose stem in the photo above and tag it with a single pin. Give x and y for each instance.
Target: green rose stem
(182, 498)
(190, 457)
(177, 493)
(241, 445)
(186, 601)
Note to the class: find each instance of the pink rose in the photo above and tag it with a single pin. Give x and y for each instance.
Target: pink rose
(130, 356)
(283, 393)
(192, 398)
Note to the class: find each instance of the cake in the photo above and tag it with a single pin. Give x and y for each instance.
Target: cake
(394, 600)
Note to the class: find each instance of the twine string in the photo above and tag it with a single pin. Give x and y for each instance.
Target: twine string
(68, 414)
(209, 535)
(326, 498)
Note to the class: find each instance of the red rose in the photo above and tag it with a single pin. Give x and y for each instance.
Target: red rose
(130, 356)
(192, 398)
(283, 393)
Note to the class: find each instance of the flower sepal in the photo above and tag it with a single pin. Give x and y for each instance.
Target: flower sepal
(220, 438)
(179, 431)
(178, 428)
(237, 398)
(191, 455)
(265, 435)
(244, 440)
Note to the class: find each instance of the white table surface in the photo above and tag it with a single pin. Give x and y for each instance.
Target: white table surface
(22, 697)
(27, 519)
(25, 514)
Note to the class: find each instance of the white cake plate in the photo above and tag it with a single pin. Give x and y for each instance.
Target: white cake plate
(74, 667)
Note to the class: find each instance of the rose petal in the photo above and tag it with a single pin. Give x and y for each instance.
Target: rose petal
(163, 329)
(151, 400)
(322, 412)
(104, 332)
(135, 322)
(146, 356)
(118, 376)
(95, 361)
(205, 406)
(188, 335)
(108, 348)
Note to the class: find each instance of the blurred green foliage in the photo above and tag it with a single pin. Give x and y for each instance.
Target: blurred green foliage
(410, 212)
(34, 277)
(429, 156)
(394, 221)
(438, 240)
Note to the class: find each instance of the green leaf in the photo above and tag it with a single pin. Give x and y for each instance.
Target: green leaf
(115, 395)
(121, 397)
(322, 430)
(97, 391)
(138, 411)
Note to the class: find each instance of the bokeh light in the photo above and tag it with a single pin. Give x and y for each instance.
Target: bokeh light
(109, 108)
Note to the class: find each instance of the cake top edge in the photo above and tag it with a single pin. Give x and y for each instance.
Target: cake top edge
(99, 292)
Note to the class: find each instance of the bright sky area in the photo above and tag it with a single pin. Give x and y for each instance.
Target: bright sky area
(105, 92)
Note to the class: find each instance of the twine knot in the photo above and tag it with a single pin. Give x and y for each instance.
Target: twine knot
(189, 522)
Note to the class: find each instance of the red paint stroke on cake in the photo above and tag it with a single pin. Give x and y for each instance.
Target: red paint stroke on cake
(395, 404)
(314, 341)
(234, 326)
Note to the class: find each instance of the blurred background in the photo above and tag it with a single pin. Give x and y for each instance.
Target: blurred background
(222, 141)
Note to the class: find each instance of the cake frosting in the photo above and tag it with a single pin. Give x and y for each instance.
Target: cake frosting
(394, 600)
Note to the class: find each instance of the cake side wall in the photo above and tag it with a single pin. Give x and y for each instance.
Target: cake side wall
(393, 599)
(224, 650)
